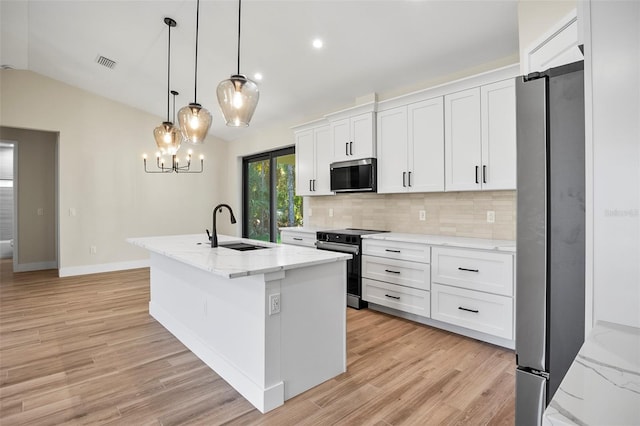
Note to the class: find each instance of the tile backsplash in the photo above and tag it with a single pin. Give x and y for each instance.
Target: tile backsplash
(462, 214)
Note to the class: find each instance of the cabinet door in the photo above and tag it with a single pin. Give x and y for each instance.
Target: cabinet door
(305, 162)
(498, 102)
(340, 136)
(462, 140)
(392, 150)
(322, 184)
(426, 146)
(362, 136)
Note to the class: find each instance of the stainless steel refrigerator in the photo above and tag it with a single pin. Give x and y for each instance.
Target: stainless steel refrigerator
(550, 267)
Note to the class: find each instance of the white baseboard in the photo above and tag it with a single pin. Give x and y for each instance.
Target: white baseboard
(35, 266)
(104, 267)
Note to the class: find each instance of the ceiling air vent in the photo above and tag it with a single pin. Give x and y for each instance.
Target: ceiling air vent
(106, 62)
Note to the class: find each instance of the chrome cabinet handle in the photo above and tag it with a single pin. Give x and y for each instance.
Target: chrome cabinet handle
(392, 297)
(469, 270)
(392, 272)
(475, 311)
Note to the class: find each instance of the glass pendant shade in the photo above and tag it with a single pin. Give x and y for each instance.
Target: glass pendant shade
(168, 138)
(194, 123)
(238, 97)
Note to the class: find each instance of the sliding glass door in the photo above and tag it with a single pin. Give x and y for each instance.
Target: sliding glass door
(269, 194)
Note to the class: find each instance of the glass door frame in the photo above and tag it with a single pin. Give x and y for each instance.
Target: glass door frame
(273, 202)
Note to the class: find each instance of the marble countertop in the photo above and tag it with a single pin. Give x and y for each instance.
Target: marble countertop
(450, 241)
(195, 250)
(602, 386)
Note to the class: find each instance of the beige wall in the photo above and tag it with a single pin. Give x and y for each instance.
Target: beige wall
(36, 189)
(462, 214)
(101, 176)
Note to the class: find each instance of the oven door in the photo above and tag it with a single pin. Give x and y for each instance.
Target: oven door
(354, 283)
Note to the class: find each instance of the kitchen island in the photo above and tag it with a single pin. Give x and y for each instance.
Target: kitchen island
(271, 321)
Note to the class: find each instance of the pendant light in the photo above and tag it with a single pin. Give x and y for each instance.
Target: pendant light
(175, 162)
(168, 137)
(238, 96)
(195, 120)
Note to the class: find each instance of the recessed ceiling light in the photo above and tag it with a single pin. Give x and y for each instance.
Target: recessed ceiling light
(257, 76)
(317, 43)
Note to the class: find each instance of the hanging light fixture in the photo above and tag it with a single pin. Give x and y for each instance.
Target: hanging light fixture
(195, 120)
(168, 137)
(238, 96)
(175, 161)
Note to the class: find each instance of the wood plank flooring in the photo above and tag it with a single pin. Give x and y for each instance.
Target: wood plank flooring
(84, 350)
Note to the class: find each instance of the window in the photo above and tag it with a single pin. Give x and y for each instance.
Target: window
(269, 200)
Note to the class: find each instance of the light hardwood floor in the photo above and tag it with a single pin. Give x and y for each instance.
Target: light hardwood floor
(84, 350)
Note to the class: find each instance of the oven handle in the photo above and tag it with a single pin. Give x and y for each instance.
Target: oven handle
(343, 248)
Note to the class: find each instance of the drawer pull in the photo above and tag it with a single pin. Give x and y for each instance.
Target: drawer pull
(391, 272)
(392, 251)
(392, 297)
(468, 270)
(297, 239)
(475, 311)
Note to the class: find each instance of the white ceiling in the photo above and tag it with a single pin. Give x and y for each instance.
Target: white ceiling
(370, 46)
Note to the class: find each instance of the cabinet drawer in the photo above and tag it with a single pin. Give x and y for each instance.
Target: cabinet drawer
(305, 239)
(397, 250)
(476, 270)
(487, 313)
(398, 297)
(410, 274)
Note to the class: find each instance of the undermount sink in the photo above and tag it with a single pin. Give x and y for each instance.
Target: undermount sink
(240, 246)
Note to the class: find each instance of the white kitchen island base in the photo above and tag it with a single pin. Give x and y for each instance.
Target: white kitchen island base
(268, 358)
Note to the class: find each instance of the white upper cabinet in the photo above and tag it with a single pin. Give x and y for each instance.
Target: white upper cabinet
(480, 138)
(498, 113)
(353, 136)
(462, 140)
(410, 148)
(313, 156)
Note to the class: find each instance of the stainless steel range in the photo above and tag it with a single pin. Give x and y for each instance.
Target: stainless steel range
(348, 241)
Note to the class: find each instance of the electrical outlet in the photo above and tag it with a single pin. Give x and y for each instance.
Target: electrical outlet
(491, 216)
(330, 212)
(274, 304)
(93, 249)
(422, 215)
(40, 211)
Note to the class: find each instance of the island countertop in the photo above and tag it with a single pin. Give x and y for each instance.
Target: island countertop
(195, 250)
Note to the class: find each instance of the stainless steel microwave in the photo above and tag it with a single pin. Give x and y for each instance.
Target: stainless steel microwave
(354, 176)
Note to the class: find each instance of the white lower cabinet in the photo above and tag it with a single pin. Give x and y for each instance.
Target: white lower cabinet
(397, 275)
(483, 312)
(468, 291)
(394, 296)
(297, 237)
